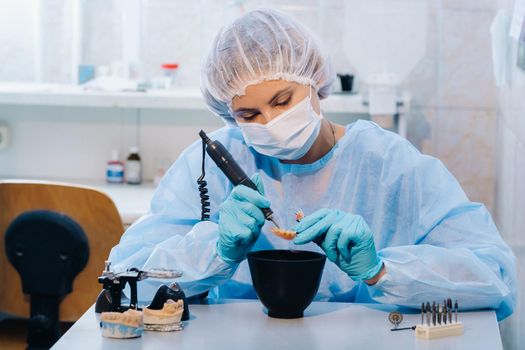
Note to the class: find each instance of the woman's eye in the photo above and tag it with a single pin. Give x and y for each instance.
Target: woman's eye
(247, 117)
(283, 103)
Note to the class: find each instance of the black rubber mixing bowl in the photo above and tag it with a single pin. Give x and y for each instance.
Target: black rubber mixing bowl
(286, 281)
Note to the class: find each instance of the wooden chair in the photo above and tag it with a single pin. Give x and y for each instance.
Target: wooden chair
(93, 210)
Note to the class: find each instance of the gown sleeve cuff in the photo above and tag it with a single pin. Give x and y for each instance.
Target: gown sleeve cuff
(227, 263)
(381, 290)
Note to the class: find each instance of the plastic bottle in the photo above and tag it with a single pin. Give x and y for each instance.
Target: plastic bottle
(115, 169)
(170, 70)
(133, 167)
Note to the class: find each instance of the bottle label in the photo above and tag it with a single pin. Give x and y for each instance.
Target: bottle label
(115, 173)
(133, 172)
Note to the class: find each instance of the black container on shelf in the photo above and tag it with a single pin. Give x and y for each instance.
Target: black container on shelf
(347, 82)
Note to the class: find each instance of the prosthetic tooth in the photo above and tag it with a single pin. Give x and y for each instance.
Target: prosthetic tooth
(130, 317)
(285, 234)
(288, 234)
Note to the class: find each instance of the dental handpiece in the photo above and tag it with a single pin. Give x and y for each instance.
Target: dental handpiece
(231, 169)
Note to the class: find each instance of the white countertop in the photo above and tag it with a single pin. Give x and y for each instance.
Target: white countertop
(73, 95)
(242, 324)
(132, 201)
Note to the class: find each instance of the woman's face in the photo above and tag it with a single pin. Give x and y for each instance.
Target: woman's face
(268, 99)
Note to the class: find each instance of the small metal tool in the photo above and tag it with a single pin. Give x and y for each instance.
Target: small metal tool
(456, 309)
(422, 313)
(445, 313)
(395, 317)
(434, 313)
(449, 307)
(403, 328)
(428, 314)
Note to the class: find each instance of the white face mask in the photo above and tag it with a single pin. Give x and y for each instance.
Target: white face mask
(288, 136)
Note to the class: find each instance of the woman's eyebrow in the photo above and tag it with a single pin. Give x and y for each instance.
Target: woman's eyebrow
(274, 97)
(243, 109)
(278, 94)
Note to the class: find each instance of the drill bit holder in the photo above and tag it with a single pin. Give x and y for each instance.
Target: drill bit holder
(439, 331)
(440, 321)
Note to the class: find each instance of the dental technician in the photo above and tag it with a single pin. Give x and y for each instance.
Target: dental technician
(398, 227)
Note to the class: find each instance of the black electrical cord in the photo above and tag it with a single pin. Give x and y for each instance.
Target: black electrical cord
(205, 200)
(203, 191)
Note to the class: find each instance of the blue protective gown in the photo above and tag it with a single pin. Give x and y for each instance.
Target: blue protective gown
(434, 242)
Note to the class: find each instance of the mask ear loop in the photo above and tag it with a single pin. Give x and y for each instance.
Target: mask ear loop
(320, 114)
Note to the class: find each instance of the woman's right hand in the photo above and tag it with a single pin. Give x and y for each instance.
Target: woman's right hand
(240, 221)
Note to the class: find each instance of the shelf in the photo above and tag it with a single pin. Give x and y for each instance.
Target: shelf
(76, 96)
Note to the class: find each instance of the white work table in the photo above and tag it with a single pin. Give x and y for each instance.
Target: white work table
(242, 324)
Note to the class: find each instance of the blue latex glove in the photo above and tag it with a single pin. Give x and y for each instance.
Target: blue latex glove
(347, 241)
(240, 221)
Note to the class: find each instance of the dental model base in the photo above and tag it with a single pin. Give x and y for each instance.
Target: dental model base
(439, 321)
(167, 309)
(122, 325)
(166, 319)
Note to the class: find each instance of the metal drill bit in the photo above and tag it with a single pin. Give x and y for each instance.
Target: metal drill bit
(445, 311)
(422, 313)
(434, 313)
(440, 313)
(428, 314)
(449, 307)
(272, 219)
(456, 308)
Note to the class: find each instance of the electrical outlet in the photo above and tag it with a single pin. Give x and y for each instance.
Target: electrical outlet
(5, 136)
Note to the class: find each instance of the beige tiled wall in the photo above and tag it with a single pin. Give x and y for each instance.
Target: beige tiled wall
(455, 97)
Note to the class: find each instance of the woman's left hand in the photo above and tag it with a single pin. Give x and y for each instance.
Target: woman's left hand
(346, 239)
